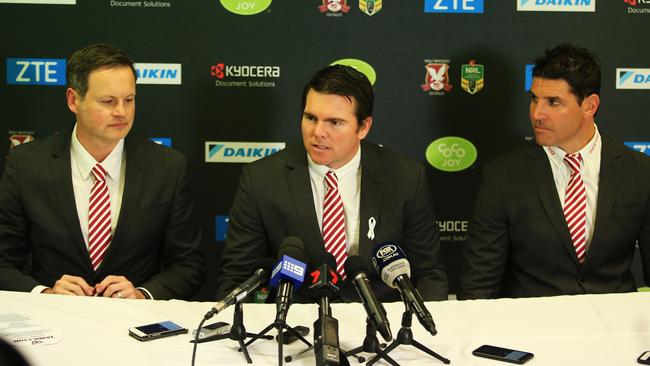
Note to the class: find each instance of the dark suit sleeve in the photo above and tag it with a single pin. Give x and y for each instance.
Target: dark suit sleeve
(246, 241)
(644, 244)
(486, 250)
(14, 250)
(183, 263)
(422, 243)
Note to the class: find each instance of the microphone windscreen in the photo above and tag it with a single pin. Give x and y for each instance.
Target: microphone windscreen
(266, 264)
(294, 248)
(353, 265)
(390, 262)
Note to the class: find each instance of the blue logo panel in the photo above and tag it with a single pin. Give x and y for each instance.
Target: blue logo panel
(164, 141)
(529, 76)
(36, 71)
(640, 146)
(453, 6)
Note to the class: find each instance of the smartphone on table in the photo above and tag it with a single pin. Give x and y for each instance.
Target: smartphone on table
(156, 330)
(213, 329)
(502, 354)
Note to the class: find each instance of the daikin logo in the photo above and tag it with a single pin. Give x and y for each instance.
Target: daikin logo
(556, 5)
(158, 73)
(632, 78)
(239, 152)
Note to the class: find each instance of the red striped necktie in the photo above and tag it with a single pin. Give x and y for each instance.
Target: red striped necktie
(99, 218)
(575, 206)
(334, 223)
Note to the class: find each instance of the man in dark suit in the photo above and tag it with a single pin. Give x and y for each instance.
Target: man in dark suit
(385, 195)
(93, 212)
(563, 216)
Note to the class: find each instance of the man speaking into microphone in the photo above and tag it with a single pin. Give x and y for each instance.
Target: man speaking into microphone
(337, 193)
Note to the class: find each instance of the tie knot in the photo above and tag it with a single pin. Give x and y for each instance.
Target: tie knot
(99, 173)
(573, 161)
(331, 180)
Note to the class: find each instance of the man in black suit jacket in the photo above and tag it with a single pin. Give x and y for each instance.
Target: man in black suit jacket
(153, 244)
(520, 242)
(388, 196)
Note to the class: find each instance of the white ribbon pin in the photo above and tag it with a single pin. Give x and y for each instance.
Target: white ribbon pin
(371, 228)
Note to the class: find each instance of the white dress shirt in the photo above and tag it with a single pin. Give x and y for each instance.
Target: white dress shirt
(349, 176)
(590, 171)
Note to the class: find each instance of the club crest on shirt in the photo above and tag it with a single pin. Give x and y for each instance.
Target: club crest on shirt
(436, 79)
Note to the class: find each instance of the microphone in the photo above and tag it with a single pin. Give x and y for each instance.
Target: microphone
(356, 270)
(289, 273)
(260, 275)
(324, 285)
(394, 269)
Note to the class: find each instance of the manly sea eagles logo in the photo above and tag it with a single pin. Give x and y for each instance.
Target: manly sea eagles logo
(437, 78)
(334, 6)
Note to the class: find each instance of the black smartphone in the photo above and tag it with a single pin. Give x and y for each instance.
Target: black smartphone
(644, 359)
(502, 354)
(288, 336)
(156, 330)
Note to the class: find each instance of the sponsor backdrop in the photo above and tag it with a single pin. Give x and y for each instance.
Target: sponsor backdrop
(221, 80)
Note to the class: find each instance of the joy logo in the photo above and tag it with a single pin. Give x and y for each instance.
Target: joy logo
(451, 154)
(245, 7)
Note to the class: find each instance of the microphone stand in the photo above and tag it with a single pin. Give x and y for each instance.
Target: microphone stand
(278, 324)
(405, 337)
(237, 332)
(370, 344)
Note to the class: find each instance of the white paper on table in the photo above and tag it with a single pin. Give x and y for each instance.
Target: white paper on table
(23, 330)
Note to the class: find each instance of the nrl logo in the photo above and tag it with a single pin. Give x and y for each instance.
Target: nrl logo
(437, 77)
(370, 7)
(472, 77)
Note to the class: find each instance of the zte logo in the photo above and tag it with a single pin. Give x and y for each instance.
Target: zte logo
(36, 71)
(453, 6)
(294, 268)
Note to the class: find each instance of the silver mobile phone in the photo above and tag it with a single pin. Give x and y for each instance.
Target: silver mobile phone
(156, 330)
(212, 330)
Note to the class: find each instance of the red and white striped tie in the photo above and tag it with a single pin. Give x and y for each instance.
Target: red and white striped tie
(575, 206)
(99, 218)
(334, 223)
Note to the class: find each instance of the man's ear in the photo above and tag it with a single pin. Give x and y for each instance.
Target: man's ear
(73, 98)
(590, 104)
(364, 128)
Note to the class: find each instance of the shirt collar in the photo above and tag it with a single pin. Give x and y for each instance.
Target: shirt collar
(556, 154)
(341, 173)
(85, 162)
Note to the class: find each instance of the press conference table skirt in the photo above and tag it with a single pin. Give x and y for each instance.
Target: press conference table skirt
(611, 329)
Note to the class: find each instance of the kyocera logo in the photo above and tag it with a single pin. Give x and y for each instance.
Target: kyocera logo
(158, 73)
(632, 78)
(222, 71)
(245, 7)
(35, 71)
(556, 5)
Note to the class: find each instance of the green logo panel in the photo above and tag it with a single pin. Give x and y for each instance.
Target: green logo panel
(361, 66)
(451, 154)
(246, 7)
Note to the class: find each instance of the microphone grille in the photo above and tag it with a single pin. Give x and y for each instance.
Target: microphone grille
(354, 264)
(293, 247)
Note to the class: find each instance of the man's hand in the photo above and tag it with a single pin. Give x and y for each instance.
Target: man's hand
(118, 287)
(70, 285)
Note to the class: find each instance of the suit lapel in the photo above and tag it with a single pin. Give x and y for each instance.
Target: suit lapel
(62, 182)
(299, 185)
(371, 193)
(608, 182)
(133, 185)
(542, 175)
